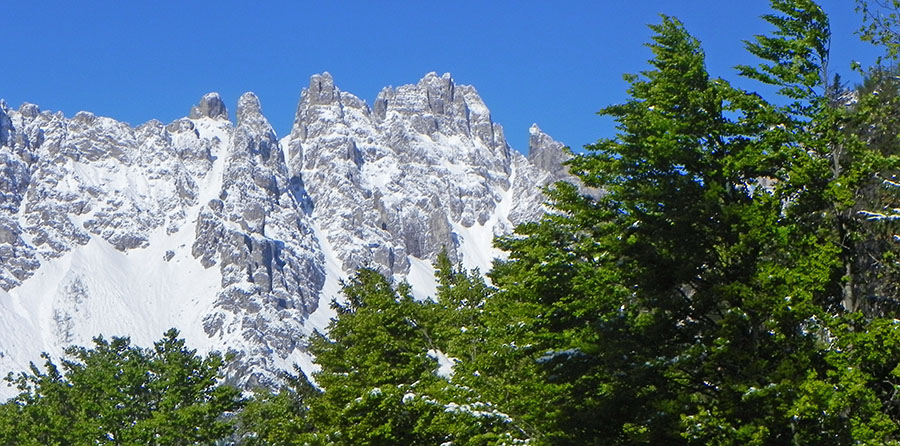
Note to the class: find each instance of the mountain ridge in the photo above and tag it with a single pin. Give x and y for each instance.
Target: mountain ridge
(236, 237)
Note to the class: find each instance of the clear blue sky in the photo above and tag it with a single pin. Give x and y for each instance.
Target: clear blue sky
(551, 62)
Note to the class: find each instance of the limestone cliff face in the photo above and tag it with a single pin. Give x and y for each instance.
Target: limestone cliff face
(104, 226)
(403, 174)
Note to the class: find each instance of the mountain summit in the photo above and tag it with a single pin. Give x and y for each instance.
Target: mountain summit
(235, 237)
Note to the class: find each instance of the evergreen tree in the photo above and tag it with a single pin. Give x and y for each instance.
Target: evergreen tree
(380, 380)
(119, 394)
(698, 300)
(282, 418)
(881, 25)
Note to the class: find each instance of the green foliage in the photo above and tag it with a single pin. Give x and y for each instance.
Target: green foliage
(874, 123)
(796, 55)
(881, 25)
(699, 299)
(282, 418)
(376, 340)
(119, 394)
(674, 272)
(456, 317)
(378, 371)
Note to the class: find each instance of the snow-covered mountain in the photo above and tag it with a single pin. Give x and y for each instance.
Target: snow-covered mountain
(235, 237)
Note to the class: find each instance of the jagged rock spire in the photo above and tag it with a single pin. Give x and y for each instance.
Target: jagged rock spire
(545, 152)
(321, 88)
(210, 106)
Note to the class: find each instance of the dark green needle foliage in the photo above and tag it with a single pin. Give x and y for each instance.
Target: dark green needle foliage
(710, 293)
(380, 376)
(116, 393)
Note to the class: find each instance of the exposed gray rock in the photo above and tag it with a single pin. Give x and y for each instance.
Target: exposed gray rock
(321, 89)
(543, 166)
(547, 154)
(29, 110)
(210, 106)
(260, 236)
(401, 175)
(5, 125)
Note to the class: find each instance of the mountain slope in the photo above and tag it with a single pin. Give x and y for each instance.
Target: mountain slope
(235, 237)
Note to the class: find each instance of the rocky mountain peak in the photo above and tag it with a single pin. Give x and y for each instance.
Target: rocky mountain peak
(249, 110)
(84, 117)
(435, 106)
(547, 153)
(379, 107)
(210, 106)
(254, 134)
(321, 89)
(5, 124)
(439, 91)
(29, 110)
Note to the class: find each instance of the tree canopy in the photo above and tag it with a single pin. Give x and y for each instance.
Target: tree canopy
(119, 394)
